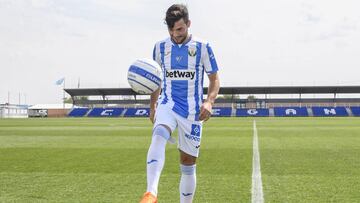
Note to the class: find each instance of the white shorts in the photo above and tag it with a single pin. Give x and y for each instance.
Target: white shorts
(189, 131)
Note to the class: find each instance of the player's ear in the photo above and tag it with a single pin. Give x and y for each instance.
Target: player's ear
(170, 31)
(188, 23)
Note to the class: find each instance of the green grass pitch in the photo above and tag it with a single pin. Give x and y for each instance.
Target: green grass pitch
(104, 160)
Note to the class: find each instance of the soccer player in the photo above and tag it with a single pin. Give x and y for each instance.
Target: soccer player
(184, 60)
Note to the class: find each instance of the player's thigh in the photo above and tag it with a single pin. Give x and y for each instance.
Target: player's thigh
(189, 136)
(165, 117)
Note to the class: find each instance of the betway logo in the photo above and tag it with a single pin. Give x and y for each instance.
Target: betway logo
(180, 74)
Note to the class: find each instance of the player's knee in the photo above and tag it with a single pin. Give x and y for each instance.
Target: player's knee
(161, 130)
(188, 170)
(187, 159)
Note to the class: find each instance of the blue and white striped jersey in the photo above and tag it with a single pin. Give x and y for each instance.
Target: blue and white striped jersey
(183, 69)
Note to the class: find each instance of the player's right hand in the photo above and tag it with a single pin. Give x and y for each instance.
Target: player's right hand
(205, 111)
(152, 115)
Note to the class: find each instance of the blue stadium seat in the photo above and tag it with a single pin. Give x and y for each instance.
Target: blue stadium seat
(329, 111)
(355, 110)
(78, 112)
(137, 112)
(221, 112)
(252, 112)
(290, 111)
(105, 112)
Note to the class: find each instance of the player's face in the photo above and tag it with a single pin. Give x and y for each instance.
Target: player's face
(180, 31)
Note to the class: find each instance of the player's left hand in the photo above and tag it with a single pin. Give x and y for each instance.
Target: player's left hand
(205, 111)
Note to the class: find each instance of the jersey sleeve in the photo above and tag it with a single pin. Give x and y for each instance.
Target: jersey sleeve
(209, 60)
(156, 54)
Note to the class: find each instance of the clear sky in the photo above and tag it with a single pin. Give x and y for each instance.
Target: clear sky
(256, 43)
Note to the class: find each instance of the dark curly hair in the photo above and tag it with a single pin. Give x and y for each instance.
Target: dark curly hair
(175, 13)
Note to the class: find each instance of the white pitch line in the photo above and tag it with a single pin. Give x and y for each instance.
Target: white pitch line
(257, 195)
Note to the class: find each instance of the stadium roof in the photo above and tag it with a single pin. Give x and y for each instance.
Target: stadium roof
(228, 90)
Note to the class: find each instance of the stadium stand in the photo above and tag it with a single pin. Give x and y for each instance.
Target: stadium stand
(137, 112)
(355, 111)
(131, 104)
(106, 112)
(290, 111)
(221, 111)
(78, 112)
(329, 111)
(252, 112)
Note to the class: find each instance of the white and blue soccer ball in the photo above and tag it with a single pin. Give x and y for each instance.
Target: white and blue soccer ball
(145, 76)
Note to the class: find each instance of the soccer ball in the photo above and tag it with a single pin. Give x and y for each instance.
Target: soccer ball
(144, 76)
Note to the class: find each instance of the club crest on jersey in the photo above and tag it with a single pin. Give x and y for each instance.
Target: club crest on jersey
(192, 52)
